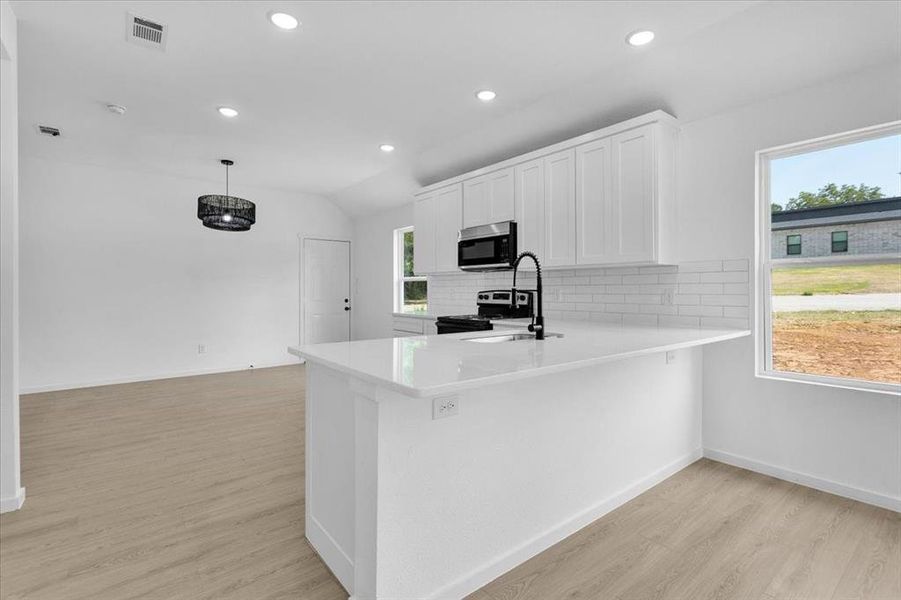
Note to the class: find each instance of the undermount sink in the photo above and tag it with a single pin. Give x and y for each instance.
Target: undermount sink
(508, 337)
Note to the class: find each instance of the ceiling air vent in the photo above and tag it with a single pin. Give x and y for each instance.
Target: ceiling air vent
(46, 130)
(144, 32)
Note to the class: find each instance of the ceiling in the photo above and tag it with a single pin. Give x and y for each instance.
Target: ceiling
(316, 102)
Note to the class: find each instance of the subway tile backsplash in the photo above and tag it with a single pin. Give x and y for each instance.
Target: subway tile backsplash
(709, 293)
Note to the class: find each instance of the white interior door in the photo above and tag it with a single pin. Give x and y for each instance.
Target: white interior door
(326, 291)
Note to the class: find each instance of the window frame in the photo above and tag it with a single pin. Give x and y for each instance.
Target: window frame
(788, 244)
(399, 277)
(764, 262)
(832, 242)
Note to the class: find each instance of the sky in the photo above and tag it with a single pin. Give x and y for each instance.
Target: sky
(873, 162)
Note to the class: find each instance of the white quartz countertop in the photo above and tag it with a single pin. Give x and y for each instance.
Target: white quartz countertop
(423, 366)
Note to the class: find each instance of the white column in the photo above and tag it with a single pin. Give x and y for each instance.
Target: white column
(12, 494)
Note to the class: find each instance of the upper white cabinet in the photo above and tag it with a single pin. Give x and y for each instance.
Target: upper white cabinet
(488, 198)
(437, 217)
(559, 210)
(449, 218)
(529, 213)
(604, 198)
(625, 207)
(425, 229)
(632, 199)
(594, 202)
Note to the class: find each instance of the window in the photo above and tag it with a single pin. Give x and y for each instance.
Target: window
(410, 290)
(831, 315)
(839, 241)
(793, 244)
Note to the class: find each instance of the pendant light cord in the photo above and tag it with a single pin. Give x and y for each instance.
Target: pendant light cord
(226, 181)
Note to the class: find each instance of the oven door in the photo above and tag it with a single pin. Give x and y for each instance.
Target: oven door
(487, 247)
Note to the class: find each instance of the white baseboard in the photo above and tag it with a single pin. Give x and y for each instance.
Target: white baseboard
(13, 502)
(817, 483)
(478, 578)
(56, 387)
(331, 553)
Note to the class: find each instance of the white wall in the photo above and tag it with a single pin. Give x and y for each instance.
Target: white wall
(11, 493)
(120, 281)
(373, 259)
(847, 441)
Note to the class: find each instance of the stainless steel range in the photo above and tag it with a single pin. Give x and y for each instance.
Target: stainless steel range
(492, 305)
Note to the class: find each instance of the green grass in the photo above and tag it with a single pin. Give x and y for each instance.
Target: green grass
(849, 279)
(888, 317)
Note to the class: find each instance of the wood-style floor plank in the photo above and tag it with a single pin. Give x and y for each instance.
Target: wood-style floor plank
(715, 532)
(192, 489)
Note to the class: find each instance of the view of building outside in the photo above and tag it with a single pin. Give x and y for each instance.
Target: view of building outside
(836, 250)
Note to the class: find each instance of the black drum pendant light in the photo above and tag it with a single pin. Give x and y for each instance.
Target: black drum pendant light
(226, 213)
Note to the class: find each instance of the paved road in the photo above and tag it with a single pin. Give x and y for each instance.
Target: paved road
(837, 302)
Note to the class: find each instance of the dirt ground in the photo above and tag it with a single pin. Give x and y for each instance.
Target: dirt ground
(861, 345)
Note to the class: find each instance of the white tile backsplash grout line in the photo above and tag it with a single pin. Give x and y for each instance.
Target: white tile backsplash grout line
(709, 293)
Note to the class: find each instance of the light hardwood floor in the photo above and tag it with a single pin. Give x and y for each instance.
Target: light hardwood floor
(193, 489)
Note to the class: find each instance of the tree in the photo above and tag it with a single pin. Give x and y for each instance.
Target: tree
(831, 194)
(775, 207)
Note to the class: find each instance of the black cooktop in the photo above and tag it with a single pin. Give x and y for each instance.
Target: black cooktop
(469, 318)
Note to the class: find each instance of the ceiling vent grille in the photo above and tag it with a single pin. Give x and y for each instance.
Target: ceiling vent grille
(144, 32)
(47, 130)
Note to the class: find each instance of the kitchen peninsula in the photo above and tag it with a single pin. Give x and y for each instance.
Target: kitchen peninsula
(436, 463)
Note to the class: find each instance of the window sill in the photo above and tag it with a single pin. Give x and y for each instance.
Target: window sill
(856, 385)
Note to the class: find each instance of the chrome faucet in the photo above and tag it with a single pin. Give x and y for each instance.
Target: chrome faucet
(537, 325)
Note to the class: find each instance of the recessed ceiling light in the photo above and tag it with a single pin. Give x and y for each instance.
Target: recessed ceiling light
(486, 95)
(227, 111)
(116, 109)
(386, 148)
(283, 20)
(640, 38)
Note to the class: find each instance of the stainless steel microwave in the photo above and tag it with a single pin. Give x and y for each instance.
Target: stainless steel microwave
(487, 247)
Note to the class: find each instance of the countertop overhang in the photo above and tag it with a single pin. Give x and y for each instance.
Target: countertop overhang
(424, 366)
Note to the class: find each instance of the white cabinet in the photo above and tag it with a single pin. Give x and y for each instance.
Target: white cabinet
(488, 198)
(546, 208)
(425, 227)
(529, 215)
(559, 210)
(449, 220)
(410, 326)
(604, 198)
(633, 201)
(625, 201)
(437, 217)
(594, 206)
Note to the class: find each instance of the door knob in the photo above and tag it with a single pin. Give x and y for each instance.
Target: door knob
(346, 301)
(346, 308)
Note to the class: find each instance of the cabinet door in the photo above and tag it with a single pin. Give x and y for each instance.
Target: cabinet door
(594, 207)
(476, 204)
(424, 230)
(559, 209)
(501, 196)
(449, 218)
(529, 194)
(488, 198)
(634, 218)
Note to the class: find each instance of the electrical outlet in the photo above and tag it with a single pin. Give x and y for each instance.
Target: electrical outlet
(445, 406)
(201, 349)
(670, 357)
